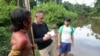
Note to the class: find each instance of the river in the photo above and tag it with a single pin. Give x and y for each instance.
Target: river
(87, 43)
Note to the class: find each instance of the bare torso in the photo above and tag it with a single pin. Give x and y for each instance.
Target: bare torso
(27, 50)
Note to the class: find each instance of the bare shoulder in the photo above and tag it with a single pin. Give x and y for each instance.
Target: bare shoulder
(19, 36)
(20, 39)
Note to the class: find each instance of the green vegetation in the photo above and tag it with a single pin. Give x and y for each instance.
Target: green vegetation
(5, 9)
(55, 13)
(55, 10)
(96, 9)
(4, 41)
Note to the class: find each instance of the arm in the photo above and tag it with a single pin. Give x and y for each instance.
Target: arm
(59, 39)
(17, 48)
(45, 38)
(72, 36)
(72, 39)
(41, 39)
(19, 45)
(46, 26)
(59, 35)
(38, 40)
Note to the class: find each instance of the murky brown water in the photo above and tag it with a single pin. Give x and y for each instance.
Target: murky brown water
(86, 43)
(87, 37)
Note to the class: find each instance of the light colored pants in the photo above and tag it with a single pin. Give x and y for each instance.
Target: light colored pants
(48, 51)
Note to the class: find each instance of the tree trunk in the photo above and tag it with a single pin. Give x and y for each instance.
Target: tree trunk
(18, 4)
(27, 4)
(30, 33)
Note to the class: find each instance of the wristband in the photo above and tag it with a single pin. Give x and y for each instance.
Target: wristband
(16, 52)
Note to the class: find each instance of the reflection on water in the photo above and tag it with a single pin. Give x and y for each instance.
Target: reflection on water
(87, 42)
(95, 23)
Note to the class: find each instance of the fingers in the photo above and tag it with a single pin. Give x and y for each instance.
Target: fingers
(46, 37)
(34, 46)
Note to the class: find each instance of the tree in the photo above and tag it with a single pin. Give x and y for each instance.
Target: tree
(59, 1)
(81, 10)
(5, 10)
(32, 3)
(46, 1)
(55, 13)
(68, 6)
(97, 8)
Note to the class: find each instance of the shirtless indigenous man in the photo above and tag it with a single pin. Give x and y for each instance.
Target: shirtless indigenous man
(21, 23)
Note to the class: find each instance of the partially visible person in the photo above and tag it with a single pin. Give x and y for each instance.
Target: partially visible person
(41, 36)
(21, 23)
(65, 37)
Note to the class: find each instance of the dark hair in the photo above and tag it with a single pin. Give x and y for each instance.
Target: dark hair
(40, 11)
(67, 19)
(17, 17)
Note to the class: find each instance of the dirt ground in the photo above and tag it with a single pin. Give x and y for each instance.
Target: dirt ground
(55, 49)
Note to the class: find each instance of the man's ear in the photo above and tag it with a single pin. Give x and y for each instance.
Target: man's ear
(35, 16)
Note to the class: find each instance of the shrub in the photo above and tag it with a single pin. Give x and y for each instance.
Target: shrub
(55, 13)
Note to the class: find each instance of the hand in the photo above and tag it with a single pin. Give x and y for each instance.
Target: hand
(46, 37)
(10, 54)
(34, 46)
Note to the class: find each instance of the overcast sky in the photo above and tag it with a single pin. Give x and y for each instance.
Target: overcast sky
(87, 2)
